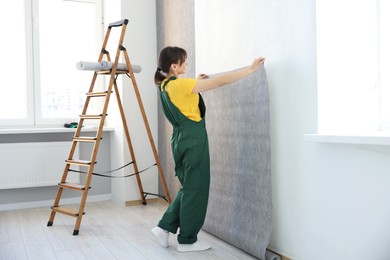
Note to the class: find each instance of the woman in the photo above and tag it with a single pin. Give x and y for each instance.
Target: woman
(183, 106)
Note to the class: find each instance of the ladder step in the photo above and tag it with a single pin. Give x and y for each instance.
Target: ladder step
(85, 139)
(66, 211)
(79, 162)
(72, 186)
(91, 116)
(97, 94)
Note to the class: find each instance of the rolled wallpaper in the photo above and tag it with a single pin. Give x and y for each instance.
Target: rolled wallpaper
(104, 65)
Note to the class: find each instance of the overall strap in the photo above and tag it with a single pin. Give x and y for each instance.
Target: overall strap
(165, 83)
(168, 108)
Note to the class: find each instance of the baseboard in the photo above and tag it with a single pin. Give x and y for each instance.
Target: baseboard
(282, 256)
(49, 203)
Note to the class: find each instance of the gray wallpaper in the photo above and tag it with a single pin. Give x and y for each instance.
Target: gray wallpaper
(238, 126)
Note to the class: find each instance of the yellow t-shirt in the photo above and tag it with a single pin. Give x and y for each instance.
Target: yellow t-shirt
(180, 94)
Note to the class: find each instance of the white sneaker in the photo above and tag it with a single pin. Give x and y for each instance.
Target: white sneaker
(195, 247)
(161, 236)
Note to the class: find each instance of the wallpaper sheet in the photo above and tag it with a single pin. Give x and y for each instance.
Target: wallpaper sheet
(238, 125)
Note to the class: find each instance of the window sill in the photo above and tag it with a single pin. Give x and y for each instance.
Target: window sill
(43, 129)
(376, 138)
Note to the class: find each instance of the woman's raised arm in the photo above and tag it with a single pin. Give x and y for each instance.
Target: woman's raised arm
(203, 84)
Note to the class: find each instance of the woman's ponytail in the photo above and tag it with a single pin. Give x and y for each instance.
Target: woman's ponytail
(159, 76)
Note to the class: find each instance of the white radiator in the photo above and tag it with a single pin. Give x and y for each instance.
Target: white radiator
(34, 164)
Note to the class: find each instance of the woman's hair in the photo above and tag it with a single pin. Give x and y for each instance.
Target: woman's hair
(168, 56)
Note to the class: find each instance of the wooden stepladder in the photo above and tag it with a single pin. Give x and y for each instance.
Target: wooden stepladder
(95, 140)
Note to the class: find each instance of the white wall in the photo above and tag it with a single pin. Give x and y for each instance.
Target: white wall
(141, 45)
(140, 42)
(330, 201)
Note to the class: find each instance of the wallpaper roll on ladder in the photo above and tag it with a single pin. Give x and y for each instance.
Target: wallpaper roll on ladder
(104, 65)
(238, 126)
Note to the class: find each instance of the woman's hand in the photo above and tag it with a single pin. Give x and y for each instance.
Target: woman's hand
(257, 63)
(202, 76)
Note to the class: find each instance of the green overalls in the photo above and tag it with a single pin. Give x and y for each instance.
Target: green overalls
(190, 149)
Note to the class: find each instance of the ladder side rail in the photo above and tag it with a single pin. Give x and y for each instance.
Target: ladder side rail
(105, 41)
(147, 126)
(118, 52)
(91, 87)
(100, 58)
(123, 117)
(105, 106)
(129, 143)
(101, 122)
(95, 150)
(56, 202)
(86, 190)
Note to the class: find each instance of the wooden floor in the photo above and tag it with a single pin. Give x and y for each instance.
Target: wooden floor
(108, 231)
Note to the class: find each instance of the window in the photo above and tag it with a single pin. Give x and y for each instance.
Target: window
(15, 103)
(384, 62)
(353, 52)
(45, 39)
